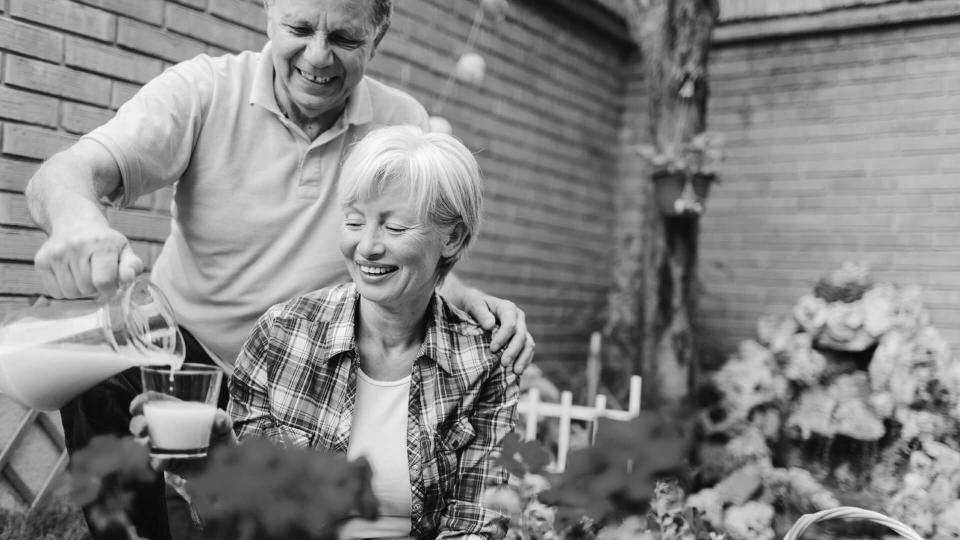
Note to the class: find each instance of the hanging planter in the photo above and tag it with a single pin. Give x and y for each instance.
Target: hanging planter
(682, 194)
(682, 174)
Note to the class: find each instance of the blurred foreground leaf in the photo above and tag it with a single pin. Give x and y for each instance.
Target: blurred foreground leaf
(263, 491)
(618, 474)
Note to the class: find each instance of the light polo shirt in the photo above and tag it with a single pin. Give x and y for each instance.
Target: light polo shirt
(255, 216)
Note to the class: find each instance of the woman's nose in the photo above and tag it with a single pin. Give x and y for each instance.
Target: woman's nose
(370, 245)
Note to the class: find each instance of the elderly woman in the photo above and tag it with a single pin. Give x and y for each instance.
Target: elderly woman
(385, 367)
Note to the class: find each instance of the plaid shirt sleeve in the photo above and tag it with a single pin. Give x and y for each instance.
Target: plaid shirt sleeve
(249, 404)
(492, 419)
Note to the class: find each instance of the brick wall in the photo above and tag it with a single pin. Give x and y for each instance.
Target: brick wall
(842, 146)
(544, 124)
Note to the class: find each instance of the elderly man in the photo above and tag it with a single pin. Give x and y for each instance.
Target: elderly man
(253, 144)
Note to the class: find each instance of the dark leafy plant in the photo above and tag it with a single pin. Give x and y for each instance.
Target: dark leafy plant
(102, 476)
(260, 491)
(523, 457)
(845, 284)
(621, 475)
(255, 491)
(618, 474)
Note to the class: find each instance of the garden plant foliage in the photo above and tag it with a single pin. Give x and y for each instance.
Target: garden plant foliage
(623, 486)
(255, 491)
(616, 488)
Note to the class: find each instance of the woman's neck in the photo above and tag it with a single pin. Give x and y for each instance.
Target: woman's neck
(389, 339)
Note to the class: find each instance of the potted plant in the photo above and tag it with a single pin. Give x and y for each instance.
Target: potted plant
(682, 179)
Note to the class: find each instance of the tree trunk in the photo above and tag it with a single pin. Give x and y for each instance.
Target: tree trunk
(653, 298)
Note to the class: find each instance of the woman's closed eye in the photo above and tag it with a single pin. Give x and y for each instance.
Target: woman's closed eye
(396, 228)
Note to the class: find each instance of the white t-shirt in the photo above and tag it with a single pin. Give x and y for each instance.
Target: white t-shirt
(379, 432)
(256, 219)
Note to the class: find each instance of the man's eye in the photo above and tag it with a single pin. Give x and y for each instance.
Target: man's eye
(352, 224)
(396, 228)
(299, 30)
(347, 42)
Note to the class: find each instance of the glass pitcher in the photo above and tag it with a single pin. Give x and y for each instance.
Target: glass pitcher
(55, 349)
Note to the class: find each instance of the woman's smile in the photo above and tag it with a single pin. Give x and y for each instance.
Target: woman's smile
(376, 271)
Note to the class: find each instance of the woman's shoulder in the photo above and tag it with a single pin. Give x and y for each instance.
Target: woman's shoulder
(469, 342)
(458, 321)
(329, 304)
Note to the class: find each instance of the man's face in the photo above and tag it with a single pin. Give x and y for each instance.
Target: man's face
(320, 51)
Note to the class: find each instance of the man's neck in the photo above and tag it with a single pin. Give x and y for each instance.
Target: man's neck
(312, 125)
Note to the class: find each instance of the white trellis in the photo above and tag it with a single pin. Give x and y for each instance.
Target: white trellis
(532, 409)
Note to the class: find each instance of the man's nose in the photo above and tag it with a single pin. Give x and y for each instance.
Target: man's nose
(318, 50)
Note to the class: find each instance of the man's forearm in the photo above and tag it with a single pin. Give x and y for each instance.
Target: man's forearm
(49, 199)
(69, 185)
(454, 290)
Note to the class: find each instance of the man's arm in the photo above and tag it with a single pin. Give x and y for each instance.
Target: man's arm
(503, 317)
(83, 255)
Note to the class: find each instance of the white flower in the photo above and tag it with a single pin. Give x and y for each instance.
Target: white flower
(811, 314)
(750, 521)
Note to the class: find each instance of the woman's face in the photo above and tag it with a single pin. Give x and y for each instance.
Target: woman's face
(391, 254)
(320, 51)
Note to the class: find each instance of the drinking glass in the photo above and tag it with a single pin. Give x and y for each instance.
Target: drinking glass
(181, 410)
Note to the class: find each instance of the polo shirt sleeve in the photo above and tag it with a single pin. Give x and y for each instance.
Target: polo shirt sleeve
(152, 135)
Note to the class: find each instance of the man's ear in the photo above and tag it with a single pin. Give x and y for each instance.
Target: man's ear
(266, 10)
(455, 241)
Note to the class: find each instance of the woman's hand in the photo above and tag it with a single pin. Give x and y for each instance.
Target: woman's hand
(221, 433)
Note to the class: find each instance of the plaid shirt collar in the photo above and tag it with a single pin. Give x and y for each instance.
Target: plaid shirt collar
(342, 339)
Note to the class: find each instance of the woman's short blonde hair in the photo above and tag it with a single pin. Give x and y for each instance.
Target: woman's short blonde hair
(440, 172)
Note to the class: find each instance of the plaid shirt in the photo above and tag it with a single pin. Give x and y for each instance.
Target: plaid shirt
(295, 382)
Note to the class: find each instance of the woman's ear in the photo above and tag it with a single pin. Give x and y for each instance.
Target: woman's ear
(454, 241)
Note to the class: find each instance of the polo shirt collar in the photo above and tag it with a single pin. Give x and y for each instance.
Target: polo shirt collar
(261, 90)
(437, 345)
(359, 108)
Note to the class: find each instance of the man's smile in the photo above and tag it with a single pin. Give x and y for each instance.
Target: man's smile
(314, 78)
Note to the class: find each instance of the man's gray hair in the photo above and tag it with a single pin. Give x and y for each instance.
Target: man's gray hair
(382, 12)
